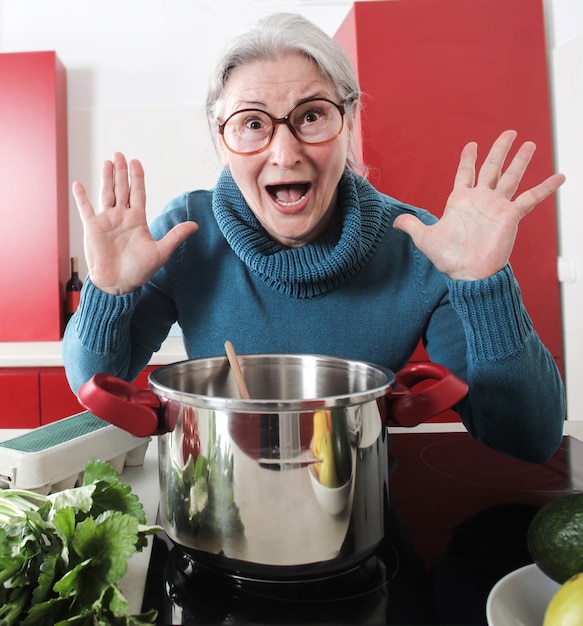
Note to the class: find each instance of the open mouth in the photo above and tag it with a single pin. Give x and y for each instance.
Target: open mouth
(288, 195)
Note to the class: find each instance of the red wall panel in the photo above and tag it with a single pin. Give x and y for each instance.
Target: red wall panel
(439, 73)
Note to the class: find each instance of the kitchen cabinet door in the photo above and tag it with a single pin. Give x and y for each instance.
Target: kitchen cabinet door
(34, 196)
(142, 379)
(19, 398)
(56, 398)
(58, 401)
(437, 74)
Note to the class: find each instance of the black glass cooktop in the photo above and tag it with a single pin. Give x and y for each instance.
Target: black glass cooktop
(458, 520)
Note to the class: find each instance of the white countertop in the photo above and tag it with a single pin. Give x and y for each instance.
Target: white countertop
(49, 353)
(144, 482)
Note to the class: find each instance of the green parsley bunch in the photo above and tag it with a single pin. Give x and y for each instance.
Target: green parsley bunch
(62, 555)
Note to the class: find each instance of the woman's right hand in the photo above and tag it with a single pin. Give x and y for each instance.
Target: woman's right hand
(121, 253)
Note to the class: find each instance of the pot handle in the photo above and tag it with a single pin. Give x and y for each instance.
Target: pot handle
(122, 404)
(409, 407)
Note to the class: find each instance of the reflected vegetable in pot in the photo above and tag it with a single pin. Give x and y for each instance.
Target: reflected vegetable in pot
(200, 494)
(331, 443)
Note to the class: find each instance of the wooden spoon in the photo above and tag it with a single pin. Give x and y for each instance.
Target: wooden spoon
(234, 362)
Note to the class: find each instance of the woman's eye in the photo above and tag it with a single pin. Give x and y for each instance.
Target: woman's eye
(254, 124)
(311, 116)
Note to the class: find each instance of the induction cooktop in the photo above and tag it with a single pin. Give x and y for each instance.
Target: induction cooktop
(457, 523)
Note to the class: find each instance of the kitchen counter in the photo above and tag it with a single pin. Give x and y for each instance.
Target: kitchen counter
(49, 353)
(144, 482)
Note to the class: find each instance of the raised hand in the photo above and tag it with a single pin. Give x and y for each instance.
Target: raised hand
(476, 234)
(120, 251)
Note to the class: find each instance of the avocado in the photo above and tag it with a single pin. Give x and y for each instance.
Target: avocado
(555, 537)
(341, 446)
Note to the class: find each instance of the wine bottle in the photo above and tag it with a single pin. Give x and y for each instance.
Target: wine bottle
(73, 290)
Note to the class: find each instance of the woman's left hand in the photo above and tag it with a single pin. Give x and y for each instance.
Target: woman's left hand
(476, 234)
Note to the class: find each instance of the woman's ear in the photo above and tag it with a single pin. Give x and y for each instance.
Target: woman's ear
(353, 140)
(224, 151)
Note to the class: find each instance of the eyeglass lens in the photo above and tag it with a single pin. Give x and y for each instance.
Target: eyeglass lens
(313, 122)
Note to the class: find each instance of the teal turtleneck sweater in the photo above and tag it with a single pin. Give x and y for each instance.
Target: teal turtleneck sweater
(361, 291)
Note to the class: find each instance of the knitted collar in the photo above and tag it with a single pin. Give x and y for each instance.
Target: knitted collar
(314, 268)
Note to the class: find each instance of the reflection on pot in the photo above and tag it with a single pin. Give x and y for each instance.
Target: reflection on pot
(331, 476)
(200, 495)
(332, 499)
(267, 506)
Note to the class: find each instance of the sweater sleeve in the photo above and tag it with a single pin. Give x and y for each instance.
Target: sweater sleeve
(116, 335)
(516, 400)
(97, 338)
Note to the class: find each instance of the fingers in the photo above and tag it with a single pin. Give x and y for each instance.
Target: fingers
(491, 173)
(466, 171)
(526, 201)
(116, 191)
(491, 170)
(510, 179)
(174, 237)
(121, 182)
(137, 198)
(411, 225)
(106, 193)
(83, 205)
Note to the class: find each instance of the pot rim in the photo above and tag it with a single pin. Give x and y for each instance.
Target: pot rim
(384, 381)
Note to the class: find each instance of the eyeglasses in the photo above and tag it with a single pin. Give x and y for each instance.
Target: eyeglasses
(313, 122)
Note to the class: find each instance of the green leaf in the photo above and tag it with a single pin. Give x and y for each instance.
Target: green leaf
(103, 544)
(112, 535)
(64, 523)
(99, 471)
(49, 571)
(84, 584)
(52, 611)
(10, 612)
(78, 499)
(117, 497)
(115, 602)
(10, 565)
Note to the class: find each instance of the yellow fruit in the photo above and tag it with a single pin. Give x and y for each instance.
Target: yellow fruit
(566, 606)
(320, 428)
(327, 472)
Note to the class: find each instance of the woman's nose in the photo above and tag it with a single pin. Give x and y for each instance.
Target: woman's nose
(285, 148)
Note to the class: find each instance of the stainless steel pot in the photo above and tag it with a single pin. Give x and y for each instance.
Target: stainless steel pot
(292, 484)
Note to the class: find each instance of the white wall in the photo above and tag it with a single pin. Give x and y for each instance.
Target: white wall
(137, 75)
(565, 20)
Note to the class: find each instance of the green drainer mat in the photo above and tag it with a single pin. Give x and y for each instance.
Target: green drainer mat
(59, 432)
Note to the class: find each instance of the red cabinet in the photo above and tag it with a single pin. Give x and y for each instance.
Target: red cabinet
(19, 398)
(436, 75)
(56, 398)
(33, 396)
(34, 198)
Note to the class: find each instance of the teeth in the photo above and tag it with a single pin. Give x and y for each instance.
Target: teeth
(290, 203)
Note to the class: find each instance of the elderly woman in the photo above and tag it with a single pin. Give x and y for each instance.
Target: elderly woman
(293, 251)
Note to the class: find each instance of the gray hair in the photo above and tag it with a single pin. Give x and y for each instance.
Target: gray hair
(282, 33)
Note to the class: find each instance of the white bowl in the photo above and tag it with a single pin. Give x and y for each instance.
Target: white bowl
(520, 598)
(332, 499)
